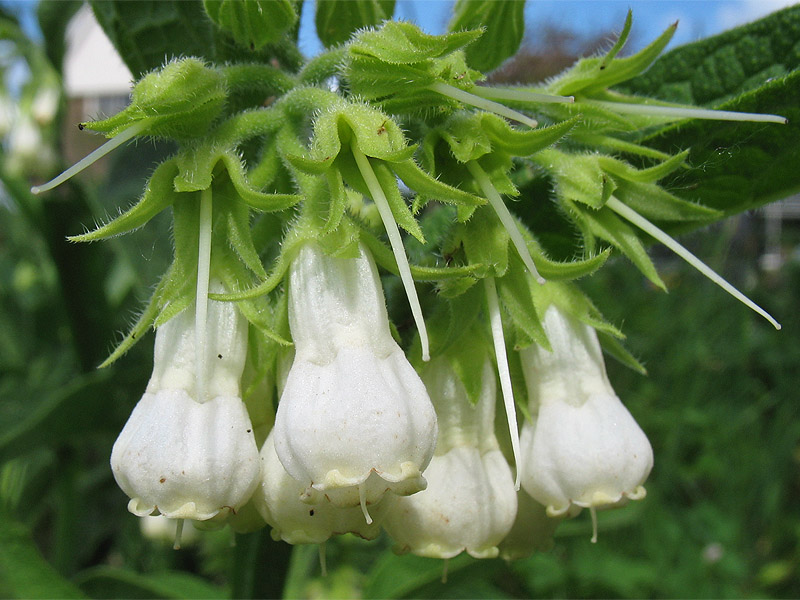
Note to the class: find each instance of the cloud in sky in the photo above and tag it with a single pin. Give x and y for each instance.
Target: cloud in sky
(732, 14)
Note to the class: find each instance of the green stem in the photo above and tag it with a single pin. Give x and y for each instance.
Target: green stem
(646, 226)
(201, 294)
(84, 163)
(496, 323)
(482, 103)
(505, 217)
(379, 198)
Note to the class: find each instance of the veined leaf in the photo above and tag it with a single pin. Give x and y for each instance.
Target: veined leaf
(504, 26)
(252, 23)
(337, 20)
(736, 166)
(23, 570)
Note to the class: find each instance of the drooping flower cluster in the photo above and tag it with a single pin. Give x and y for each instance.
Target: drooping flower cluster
(380, 423)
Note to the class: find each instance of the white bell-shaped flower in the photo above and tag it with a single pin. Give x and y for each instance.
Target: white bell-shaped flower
(470, 502)
(297, 522)
(184, 456)
(354, 420)
(583, 449)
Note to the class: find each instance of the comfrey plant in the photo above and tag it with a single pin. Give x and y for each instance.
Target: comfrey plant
(299, 195)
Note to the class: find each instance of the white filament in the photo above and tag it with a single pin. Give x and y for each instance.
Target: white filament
(379, 197)
(498, 338)
(504, 214)
(520, 95)
(679, 112)
(90, 158)
(201, 294)
(482, 103)
(646, 226)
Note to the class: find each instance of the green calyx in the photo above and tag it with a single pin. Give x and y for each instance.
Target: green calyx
(180, 100)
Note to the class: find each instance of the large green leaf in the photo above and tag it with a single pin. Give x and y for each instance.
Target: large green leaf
(24, 573)
(148, 32)
(735, 166)
(504, 25)
(337, 20)
(113, 582)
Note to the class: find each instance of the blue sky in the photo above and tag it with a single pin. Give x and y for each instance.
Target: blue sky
(698, 18)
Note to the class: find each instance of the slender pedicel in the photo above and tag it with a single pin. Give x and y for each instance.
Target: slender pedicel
(679, 112)
(90, 158)
(646, 226)
(178, 534)
(201, 295)
(379, 198)
(506, 219)
(496, 323)
(323, 563)
(518, 95)
(482, 103)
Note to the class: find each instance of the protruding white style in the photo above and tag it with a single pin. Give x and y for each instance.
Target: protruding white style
(499, 340)
(396, 242)
(583, 449)
(181, 454)
(482, 103)
(505, 217)
(470, 502)
(296, 522)
(646, 226)
(354, 420)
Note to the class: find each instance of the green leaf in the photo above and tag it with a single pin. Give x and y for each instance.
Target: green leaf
(753, 68)
(527, 142)
(23, 571)
(252, 23)
(577, 177)
(158, 195)
(399, 43)
(425, 184)
(401, 576)
(115, 582)
(606, 225)
(337, 20)
(148, 31)
(504, 26)
(718, 68)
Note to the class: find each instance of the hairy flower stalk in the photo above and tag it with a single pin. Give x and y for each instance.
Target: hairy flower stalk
(646, 226)
(396, 242)
(496, 324)
(583, 448)
(354, 420)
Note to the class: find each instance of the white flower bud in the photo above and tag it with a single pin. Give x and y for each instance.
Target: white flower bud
(296, 522)
(183, 456)
(470, 502)
(354, 420)
(584, 449)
